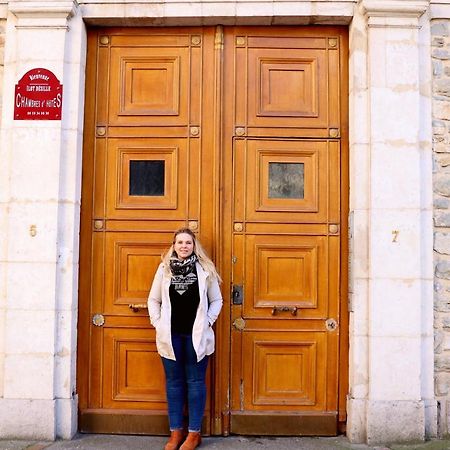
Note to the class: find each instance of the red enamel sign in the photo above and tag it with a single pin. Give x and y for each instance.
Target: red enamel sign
(38, 96)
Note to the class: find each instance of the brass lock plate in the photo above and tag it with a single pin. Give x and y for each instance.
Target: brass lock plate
(239, 323)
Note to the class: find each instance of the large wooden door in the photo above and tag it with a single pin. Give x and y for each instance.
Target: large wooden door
(148, 167)
(283, 135)
(238, 134)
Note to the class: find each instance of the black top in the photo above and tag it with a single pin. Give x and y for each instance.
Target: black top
(184, 307)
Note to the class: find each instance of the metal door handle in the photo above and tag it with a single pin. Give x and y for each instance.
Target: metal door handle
(277, 309)
(138, 306)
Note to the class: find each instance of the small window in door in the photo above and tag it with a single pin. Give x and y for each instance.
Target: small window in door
(286, 180)
(147, 177)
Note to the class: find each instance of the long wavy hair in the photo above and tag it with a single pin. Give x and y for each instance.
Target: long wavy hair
(202, 256)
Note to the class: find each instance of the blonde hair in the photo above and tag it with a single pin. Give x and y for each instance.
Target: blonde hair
(202, 256)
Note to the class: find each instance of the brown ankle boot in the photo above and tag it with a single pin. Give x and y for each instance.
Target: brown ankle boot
(175, 440)
(192, 441)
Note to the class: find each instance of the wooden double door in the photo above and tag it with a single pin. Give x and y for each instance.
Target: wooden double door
(240, 134)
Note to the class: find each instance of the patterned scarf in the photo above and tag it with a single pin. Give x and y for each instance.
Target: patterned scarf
(183, 272)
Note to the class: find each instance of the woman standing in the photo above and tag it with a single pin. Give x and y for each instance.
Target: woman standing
(183, 304)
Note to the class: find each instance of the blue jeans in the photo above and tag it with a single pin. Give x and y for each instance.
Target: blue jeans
(185, 375)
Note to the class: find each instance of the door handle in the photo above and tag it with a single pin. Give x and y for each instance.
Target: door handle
(137, 306)
(277, 309)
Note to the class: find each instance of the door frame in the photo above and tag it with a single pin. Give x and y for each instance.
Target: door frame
(220, 423)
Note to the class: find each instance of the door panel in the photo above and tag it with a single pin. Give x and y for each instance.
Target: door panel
(238, 134)
(300, 355)
(147, 139)
(283, 138)
(286, 277)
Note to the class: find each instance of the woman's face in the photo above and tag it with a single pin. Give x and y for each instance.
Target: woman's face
(184, 245)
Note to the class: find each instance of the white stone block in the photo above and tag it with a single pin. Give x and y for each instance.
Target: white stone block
(427, 364)
(27, 419)
(358, 65)
(66, 417)
(29, 376)
(35, 163)
(426, 175)
(427, 244)
(37, 45)
(395, 308)
(76, 40)
(359, 128)
(173, 10)
(65, 358)
(3, 284)
(67, 287)
(427, 311)
(95, 11)
(377, 57)
(359, 303)
(395, 421)
(249, 9)
(29, 332)
(2, 349)
(31, 286)
(64, 383)
(221, 9)
(359, 367)
(395, 176)
(144, 10)
(360, 245)
(5, 162)
(395, 244)
(395, 368)
(70, 167)
(356, 420)
(4, 211)
(73, 98)
(359, 176)
(291, 9)
(389, 121)
(2, 374)
(68, 232)
(24, 246)
(402, 65)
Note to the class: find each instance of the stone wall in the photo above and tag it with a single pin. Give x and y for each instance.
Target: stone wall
(440, 36)
(2, 55)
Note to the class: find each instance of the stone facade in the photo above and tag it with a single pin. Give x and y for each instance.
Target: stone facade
(392, 46)
(440, 42)
(2, 56)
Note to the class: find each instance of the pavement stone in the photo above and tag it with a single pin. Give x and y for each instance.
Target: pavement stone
(121, 442)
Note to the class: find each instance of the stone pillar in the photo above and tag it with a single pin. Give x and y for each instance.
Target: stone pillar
(391, 381)
(440, 42)
(40, 177)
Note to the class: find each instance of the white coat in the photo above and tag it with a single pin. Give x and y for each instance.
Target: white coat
(160, 310)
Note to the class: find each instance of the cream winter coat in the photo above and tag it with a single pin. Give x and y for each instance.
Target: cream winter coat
(209, 307)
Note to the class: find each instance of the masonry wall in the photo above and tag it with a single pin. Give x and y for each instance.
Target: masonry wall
(440, 42)
(2, 55)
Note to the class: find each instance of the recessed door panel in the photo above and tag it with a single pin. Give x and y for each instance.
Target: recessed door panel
(286, 276)
(284, 370)
(149, 88)
(133, 370)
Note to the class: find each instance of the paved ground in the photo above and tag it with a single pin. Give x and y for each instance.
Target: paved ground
(109, 442)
